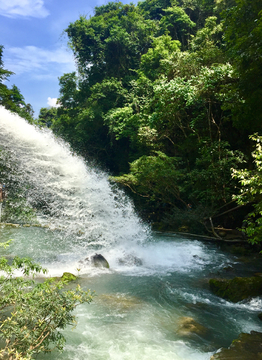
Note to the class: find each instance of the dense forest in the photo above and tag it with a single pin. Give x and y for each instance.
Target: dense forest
(167, 97)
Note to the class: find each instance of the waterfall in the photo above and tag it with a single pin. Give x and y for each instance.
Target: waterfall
(70, 195)
(155, 282)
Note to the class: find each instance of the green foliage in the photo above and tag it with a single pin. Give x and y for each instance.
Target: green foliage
(153, 63)
(154, 9)
(177, 23)
(154, 177)
(243, 36)
(251, 190)
(47, 116)
(12, 99)
(160, 81)
(4, 75)
(111, 42)
(211, 178)
(122, 122)
(32, 313)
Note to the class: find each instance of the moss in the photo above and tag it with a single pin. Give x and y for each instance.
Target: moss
(68, 277)
(240, 250)
(246, 347)
(236, 289)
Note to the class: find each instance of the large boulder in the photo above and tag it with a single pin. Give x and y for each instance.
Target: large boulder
(98, 260)
(245, 347)
(130, 260)
(237, 289)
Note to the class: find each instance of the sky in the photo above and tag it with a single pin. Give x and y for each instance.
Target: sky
(35, 46)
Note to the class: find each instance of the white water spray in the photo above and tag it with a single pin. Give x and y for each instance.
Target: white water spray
(76, 198)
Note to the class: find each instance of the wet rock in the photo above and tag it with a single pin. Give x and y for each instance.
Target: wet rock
(130, 260)
(245, 347)
(228, 268)
(237, 289)
(187, 326)
(96, 260)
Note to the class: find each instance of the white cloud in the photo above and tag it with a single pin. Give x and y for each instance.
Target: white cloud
(39, 63)
(52, 102)
(18, 8)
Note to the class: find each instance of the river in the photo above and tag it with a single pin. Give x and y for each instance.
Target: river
(154, 301)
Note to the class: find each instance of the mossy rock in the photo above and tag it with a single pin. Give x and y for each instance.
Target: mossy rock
(68, 277)
(11, 225)
(237, 289)
(245, 347)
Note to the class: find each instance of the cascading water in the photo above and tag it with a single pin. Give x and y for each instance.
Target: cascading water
(73, 198)
(156, 286)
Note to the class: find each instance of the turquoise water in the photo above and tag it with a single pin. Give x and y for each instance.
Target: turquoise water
(145, 297)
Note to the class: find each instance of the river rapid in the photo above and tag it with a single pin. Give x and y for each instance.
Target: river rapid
(154, 301)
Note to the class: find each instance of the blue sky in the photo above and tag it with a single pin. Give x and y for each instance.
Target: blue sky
(35, 48)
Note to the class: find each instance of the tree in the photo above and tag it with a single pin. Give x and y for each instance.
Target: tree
(154, 63)
(178, 24)
(4, 75)
(32, 313)
(155, 177)
(47, 116)
(110, 43)
(154, 9)
(12, 99)
(243, 36)
(159, 81)
(251, 190)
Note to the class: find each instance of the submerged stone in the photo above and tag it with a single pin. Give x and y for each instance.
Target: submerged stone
(245, 347)
(237, 289)
(119, 302)
(188, 326)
